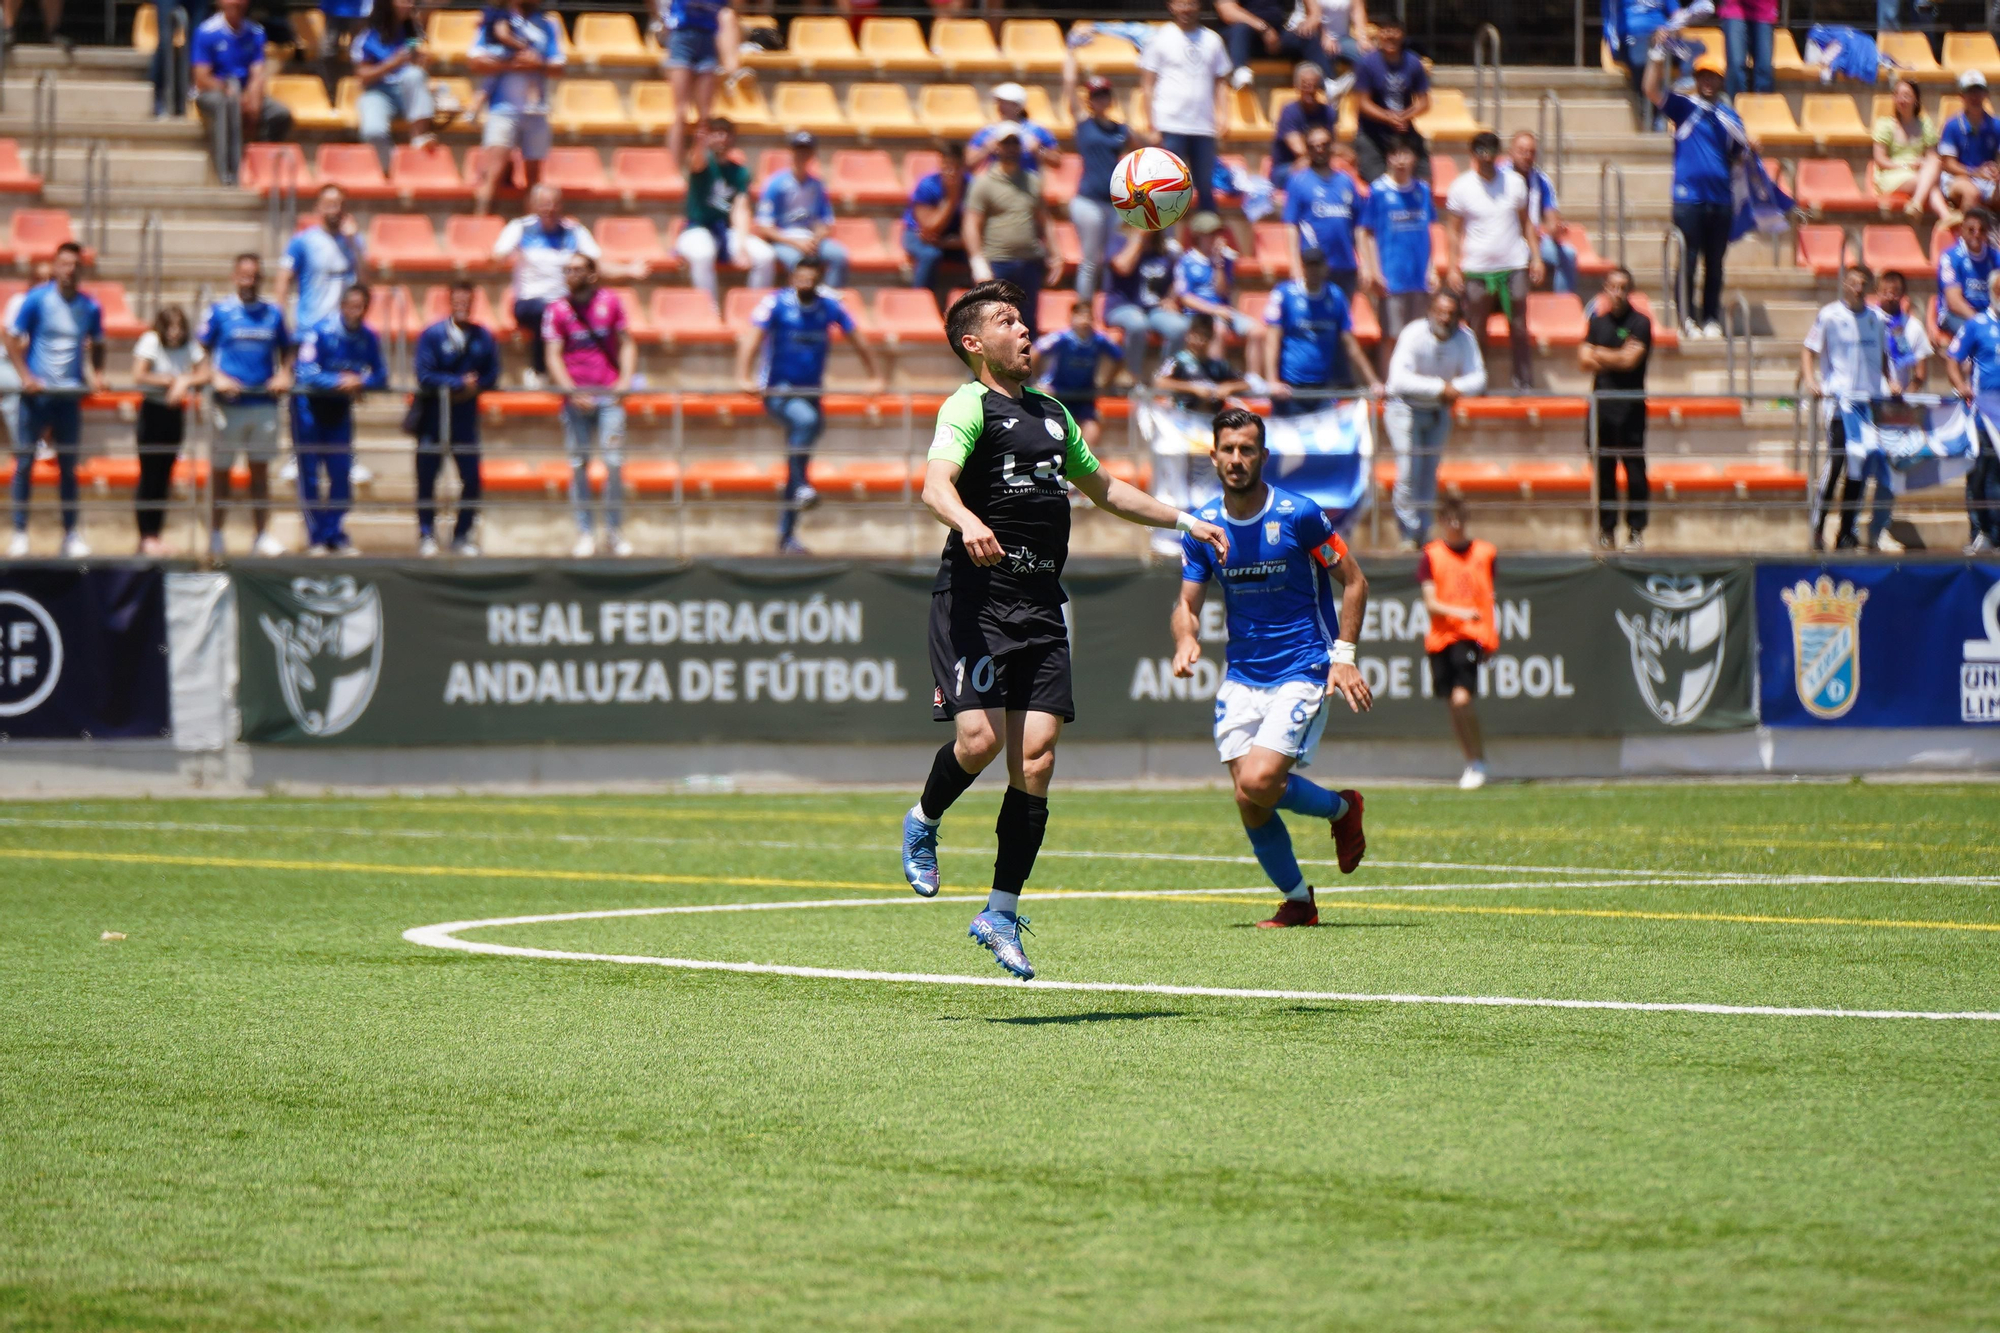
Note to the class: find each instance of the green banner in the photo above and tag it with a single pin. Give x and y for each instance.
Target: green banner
(388, 653)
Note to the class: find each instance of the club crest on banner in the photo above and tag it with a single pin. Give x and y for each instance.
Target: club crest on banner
(1677, 644)
(1826, 644)
(31, 654)
(1979, 672)
(329, 652)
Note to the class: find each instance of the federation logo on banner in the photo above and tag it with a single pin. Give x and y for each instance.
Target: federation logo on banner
(1678, 644)
(31, 654)
(1826, 644)
(1979, 672)
(329, 652)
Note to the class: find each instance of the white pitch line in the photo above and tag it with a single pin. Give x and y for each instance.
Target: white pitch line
(444, 936)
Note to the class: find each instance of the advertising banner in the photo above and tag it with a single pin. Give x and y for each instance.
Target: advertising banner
(83, 653)
(1878, 645)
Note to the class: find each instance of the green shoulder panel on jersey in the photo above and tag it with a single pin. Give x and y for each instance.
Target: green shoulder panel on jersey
(959, 424)
(1078, 461)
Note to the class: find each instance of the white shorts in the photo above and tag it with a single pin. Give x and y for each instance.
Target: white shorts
(249, 428)
(1284, 718)
(527, 131)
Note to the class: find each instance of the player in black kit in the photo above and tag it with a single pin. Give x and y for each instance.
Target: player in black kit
(999, 472)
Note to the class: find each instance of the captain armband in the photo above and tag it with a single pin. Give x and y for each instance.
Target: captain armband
(1330, 552)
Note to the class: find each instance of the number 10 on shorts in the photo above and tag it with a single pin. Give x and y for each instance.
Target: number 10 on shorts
(982, 676)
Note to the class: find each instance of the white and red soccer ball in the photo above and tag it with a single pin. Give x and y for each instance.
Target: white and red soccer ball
(1151, 189)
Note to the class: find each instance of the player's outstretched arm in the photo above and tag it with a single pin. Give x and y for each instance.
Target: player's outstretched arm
(1186, 623)
(1344, 677)
(942, 499)
(1135, 506)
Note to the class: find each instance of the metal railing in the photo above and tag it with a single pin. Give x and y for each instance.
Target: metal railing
(43, 128)
(1748, 333)
(1549, 110)
(96, 219)
(1608, 174)
(150, 277)
(1673, 263)
(1485, 62)
(281, 202)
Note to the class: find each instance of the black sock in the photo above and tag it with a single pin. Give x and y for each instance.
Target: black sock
(1022, 822)
(946, 783)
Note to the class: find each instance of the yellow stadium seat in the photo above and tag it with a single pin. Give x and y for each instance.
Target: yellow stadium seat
(1786, 63)
(1448, 119)
(896, 46)
(611, 41)
(1948, 106)
(966, 47)
(1034, 45)
(807, 106)
(1768, 119)
(461, 89)
(743, 102)
(1280, 99)
(1711, 40)
(347, 99)
(1829, 120)
(146, 30)
(950, 109)
(881, 111)
(1043, 110)
(1349, 123)
(1971, 50)
(653, 106)
(1912, 51)
(780, 61)
(304, 95)
(308, 33)
(589, 106)
(1139, 116)
(823, 44)
(450, 34)
(1247, 122)
(1108, 55)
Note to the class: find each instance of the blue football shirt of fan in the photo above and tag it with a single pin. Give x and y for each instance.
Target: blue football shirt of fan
(798, 338)
(1968, 146)
(245, 342)
(1311, 353)
(793, 203)
(700, 15)
(1197, 275)
(1276, 592)
(1979, 343)
(1323, 209)
(225, 52)
(1707, 138)
(1400, 219)
(1971, 274)
(1072, 361)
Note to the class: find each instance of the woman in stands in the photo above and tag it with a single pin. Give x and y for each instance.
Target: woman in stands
(163, 361)
(1906, 153)
(696, 31)
(390, 60)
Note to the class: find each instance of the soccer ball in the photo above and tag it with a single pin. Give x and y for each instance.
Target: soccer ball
(1151, 189)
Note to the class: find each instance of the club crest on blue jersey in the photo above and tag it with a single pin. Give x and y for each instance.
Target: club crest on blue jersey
(1826, 644)
(1271, 531)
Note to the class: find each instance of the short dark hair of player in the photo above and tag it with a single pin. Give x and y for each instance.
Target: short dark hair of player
(465, 285)
(1620, 268)
(1237, 418)
(968, 310)
(71, 248)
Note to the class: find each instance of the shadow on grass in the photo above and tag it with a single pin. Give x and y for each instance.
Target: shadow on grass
(1342, 925)
(1100, 1016)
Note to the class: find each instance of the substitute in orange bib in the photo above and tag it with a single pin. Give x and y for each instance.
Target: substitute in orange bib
(1456, 574)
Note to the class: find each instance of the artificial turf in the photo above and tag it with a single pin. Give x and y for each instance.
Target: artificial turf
(263, 1109)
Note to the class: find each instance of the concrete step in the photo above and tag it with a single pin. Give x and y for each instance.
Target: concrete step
(170, 171)
(80, 102)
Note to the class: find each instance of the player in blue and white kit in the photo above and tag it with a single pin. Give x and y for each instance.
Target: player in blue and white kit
(1066, 366)
(793, 332)
(1286, 654)
(339, 360)
(248, 350)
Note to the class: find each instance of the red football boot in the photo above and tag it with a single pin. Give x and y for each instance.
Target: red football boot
(1350, 844)
(1291, 912)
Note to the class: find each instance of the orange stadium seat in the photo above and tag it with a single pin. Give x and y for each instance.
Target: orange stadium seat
(631, 245)
(33, 234)
(1827, 185)
(1444, 171)
(687, 318)
(863, 478)
(1821, 249)
(1912, 52)
(1829, 120)
(743, 102)
(1533, 411)
(449, 34)
(857, 176)
(709, 478)
(896, 46)
(646, 173)
(119, 321)
(427, 173)
(437, 306)
(807, 106)
(1060, 181)
(1971, 50)
(950, 110)
(1678, 410)
(404, 243)
(304, 95)
(653, 107)
(1786, 63)
(269, 166)
(15, 178)
(1894, 249)
(1367, 327)
(1555, 319)
(966, 46)
(577, 171)
(1589, 263)
(865, 251)
(917, 164)
(637, 320)
(468, 241)
(769, 163)
(354, 168)
(908, 315)
(589, 106)
(393, 315)
(738, 304)
(1767, 117)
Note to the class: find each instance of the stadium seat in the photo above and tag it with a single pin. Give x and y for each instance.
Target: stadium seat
(1912, 53)
(863, 478)
(645, 173)
(769, 163)
(1049, 114)
(1786, 62)
(1820, 249)
(708, 478)
(1035, 46)
(1679, 410)
(865, 251)
(1109, 56)
(145, 30)
(546, 478)
(589, 106)
(119, 321)
(1060, 181)
(1444, 171)
(404, 243)
(965, 46)
(505, 403)
(653, 106)
(15, 178)
(825, 45)
(950, 110)
(1894, 249)
(738, 304)
(882, 111)
(458, 89)
(863, 176)
(393, 315)
(33, 234)
(468, 242)
(807, 106)
(1533, 411)
(426, 173)
(355, 169)
(743, 102)
(304, 95)
(687, 318)
(1826, 185)
(450, 34)
(637, 321)
(269, 166)
(611, 41)
(1665, 336)
(1589, 263)
(1450, 119)
(1948, 106)
(1271, 255)
(917, 164)
(1830, 121)
(908, 315)
(1767, 117)
(651, 476)
(1367, 326)
(1751, 478)
(631, 246)
(1971, 50)
(896, 46)
(437, 306)
(577, 171)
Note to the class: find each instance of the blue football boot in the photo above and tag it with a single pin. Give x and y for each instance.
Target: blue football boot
(1002, 934)
(920, 865)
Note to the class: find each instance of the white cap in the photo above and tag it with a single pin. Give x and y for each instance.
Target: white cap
(1011, 92)
(1972, 78)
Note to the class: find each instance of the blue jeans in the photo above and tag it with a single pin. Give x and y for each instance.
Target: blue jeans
(832, 256)
(1560, 260)
(693, 49)
(1026, 274)
(603, 426)
(197, 10)
(406, 94)
(1417, 433)
(803, 421)
(925, 258)
(1888, 16)
(1137, 322)
(1198, 151)
(62, 420)
(1735, 34)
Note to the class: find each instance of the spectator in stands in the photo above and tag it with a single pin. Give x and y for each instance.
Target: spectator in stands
(321, 262)
(1183, 75)
(590, 347)
(1965, 273)
(1746, 32)
(694, 58)
(1008, 233)
(1909, 345)
(790, 338)
(1205, 282)
(1841, 364)
(1309, 341)
(1068, 363)
(340, 359)
(248, 363)
(52, 16)
(166, 10)
(1394, 244)
(517, 96)
(456, 359)
(163, 366)
(1436, 362)
(1101, 141)
(795, 215)
(718, 212)
(1310, 111)
(1394, 91)
(933, 223)
(10, 378)
(226, 55)
(1321, 207)
(1905, 154)
(1969, 146)
(1708, 138)
(343, 21)
(1199, 375)
(1456, 577)
(1494, 259)
(1544, 212)
(1275, 30)
(1616, 345)
(1137, 297)
(1973, 363)
(56, 341)
(1010, 105)
(1629, 26)
(540, 246)
(394, 69)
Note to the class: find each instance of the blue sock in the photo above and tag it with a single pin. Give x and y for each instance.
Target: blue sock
(1273, 846)
(1309, 798)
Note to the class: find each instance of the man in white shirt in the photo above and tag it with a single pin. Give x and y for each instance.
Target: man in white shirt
(1842, 363)
(1493, 259)
(1184, 77)
(539, 245)
(1436, 362)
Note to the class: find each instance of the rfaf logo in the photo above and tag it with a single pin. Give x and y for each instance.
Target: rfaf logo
(1677, 645)
(1826, 644)
(31, 654)
(329, 652)
(1979, 674)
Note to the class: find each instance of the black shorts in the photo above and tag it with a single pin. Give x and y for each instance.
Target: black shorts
(969, 674)
(1457, 665)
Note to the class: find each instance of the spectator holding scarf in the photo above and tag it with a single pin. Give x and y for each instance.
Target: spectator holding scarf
(1709, 139)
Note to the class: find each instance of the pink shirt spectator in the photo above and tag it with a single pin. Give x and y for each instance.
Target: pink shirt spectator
(1756, 11)
(590, 343)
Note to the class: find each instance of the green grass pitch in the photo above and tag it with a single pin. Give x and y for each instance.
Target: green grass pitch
(265, 1109)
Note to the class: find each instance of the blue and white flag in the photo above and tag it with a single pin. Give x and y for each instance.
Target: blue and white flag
(1928, 439)
(1760, 205)
(1844, 51)
(1327, 456)
(1683, 50)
